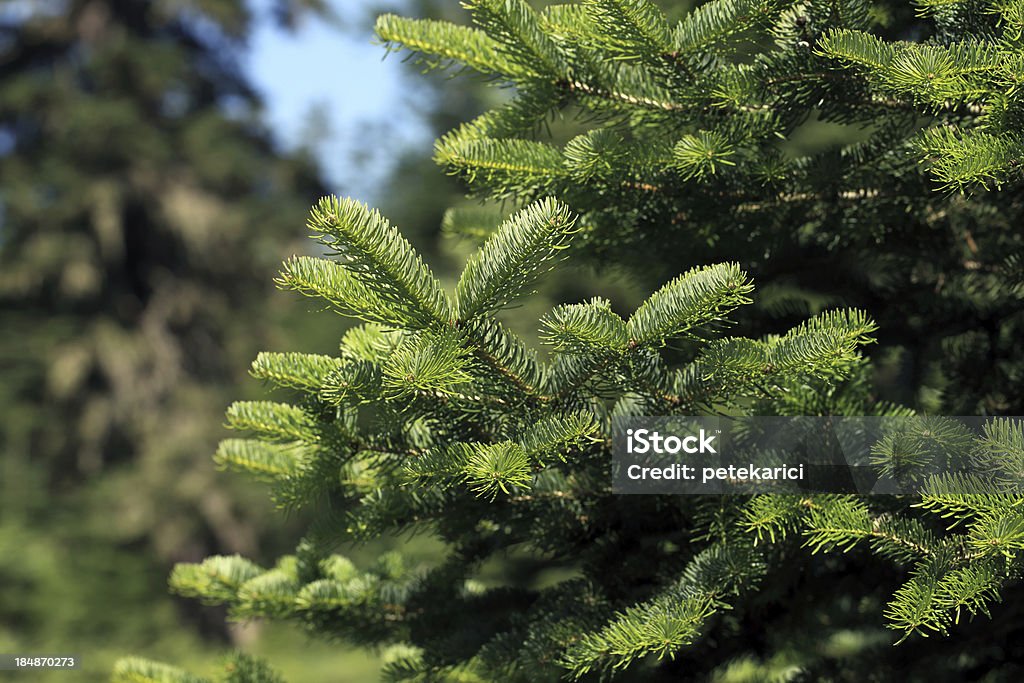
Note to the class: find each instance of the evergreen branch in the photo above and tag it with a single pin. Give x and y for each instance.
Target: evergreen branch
(263, 460)
(1000, 452)
(700, 155)
(598, 153)
(774, 516)
(568, 22)
(630, 29)
(1011, 13)
(333, 596)
(858, 47)
(516, 26)
(512, 260)
(554, 434)
(912, 609)
(240, 667)
(372, 343)
(1005, 437)
(354, 382)
(842, 522)
(969, 589)
(448, 41)
(587, 328)
(700, 296)
(273, 421)
(496, 467)
(302, 371)
(326, 598)
(999, 533)
(718, 25)
(506, 355)
(444, 465)
(216, 580)
(850, 324)
(647, 102)
(504, 167)
(431, 363)
(959, 497)
(825, 346)
(138, 670)
(271, 594)
(382, 259)
(965, 159)
(571, 374)
(931, 74)
(488, 469)
(659, 629)
(338, 286)
(673, 618)
(934, 598)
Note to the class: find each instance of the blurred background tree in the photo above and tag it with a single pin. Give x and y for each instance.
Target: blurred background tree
(143, 210)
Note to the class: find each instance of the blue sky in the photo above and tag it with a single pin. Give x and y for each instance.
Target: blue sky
(369, 103)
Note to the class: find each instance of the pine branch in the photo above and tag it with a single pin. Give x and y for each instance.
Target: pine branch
(137, 670)
(215, 580)
(302, 371)
(557, 433)
(447, 42)
(699, 297)
(338, 286)
(504, 167)
(630, 29)
(588, 328)
(960, 497)
(510, 262)
(516, 26)
(720, 24)
(431, 363)
(273, 421)
(842, 522)
(385, 262)
(671, 620)
(510, 361)
(263, 460)
(356, 382)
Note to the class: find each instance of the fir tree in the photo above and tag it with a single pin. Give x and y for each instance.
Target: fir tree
(434, 416)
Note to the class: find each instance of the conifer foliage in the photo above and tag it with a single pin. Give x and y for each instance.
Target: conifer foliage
(691, 143)
(434, 416)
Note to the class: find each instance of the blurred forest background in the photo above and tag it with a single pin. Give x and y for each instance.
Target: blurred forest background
(149, 188)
